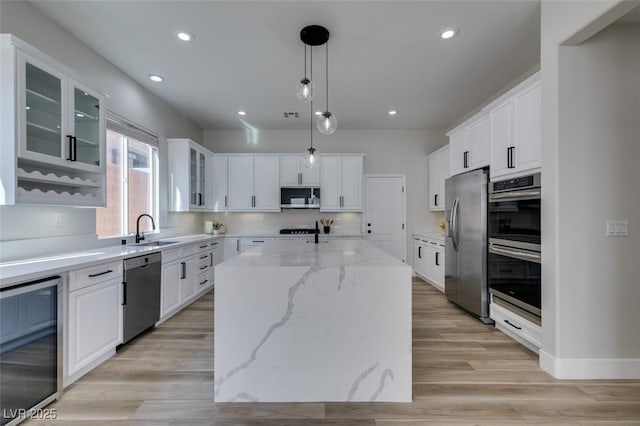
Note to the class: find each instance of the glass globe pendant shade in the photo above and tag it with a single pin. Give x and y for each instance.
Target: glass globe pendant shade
(327, 123)
(304, 90)
(310, 158)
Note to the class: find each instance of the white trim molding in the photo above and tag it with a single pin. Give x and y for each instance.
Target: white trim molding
(590, 368)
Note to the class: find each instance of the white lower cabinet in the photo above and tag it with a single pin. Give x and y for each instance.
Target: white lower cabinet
(94, 324)
(428, 262)
(186, 273)
(231, 247)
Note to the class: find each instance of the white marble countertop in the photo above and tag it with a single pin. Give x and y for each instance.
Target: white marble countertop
(430, 235)
(23, 270)
(325, 254)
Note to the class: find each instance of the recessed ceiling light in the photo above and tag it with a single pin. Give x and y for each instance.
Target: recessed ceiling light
(242, 112)
(393, 112)
(318, 112)
(448, 33)
(185, 36)
(156, 78)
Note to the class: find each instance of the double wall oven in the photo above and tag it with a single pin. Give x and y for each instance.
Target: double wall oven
(514, 260)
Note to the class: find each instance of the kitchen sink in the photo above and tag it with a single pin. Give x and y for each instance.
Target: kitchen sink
(157, 243)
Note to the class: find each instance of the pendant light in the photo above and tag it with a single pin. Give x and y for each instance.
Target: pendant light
(327, 122)
(317, 35)
(310, 156)
(306, 86)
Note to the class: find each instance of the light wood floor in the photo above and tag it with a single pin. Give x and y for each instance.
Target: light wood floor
(464, 373)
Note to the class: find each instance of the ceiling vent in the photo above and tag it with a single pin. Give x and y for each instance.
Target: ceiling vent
(291, 115)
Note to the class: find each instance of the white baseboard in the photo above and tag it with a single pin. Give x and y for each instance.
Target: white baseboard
(590, 369)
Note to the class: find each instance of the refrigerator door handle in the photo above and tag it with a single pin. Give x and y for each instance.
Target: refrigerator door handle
(454, 223)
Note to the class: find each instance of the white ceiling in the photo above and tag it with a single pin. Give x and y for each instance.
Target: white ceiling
(248, 55)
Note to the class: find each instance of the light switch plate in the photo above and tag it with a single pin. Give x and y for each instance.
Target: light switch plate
(617, 228)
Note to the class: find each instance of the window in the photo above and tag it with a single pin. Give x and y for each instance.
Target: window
(132, 182)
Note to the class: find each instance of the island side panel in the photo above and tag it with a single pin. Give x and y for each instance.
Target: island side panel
(301, 334)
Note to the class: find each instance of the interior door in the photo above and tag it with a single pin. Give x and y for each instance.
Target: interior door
(385, 214)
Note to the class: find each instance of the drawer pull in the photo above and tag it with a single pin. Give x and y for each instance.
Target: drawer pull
(513, 325)
(204, 257)
(100, 273)
(204, 267)
(204, 282)
(204, 246)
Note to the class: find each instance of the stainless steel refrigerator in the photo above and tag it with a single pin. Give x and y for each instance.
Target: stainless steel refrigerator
(466, 282)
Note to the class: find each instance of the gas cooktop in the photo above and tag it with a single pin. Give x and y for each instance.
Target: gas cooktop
(303, 231)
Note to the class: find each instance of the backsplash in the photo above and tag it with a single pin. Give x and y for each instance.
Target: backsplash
(247, 223)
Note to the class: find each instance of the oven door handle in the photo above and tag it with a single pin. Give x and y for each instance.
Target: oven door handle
(516, 254)
(515, 195)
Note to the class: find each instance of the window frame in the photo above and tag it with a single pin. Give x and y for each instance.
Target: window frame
(128, 131)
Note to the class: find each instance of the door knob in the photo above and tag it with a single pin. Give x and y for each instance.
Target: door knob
(369, 231)
(368, 224)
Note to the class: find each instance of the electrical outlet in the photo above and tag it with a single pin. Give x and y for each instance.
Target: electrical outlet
(57, 220)
(617, 228)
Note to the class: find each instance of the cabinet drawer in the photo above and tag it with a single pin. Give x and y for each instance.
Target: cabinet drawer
(85, 277)
(514, 325)
(204, 280)
(203, 264)
(202, 246)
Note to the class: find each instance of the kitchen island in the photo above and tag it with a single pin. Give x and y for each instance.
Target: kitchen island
(300, 322)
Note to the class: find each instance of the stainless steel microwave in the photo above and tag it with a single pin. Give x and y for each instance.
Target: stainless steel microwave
(300, 197)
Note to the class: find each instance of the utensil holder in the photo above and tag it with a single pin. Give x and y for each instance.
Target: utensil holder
(327, 229)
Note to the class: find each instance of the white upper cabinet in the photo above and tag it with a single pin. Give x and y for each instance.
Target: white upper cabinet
(470, 144)
(341, 183)
(293, 172)
(516, 129)
(438, 172)
(254, 183)
(190, 175)
(219, 197)
(52, 130)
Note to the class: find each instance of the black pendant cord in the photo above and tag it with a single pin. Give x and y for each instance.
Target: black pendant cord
(311, 101)
(327, 73)
(305, 61)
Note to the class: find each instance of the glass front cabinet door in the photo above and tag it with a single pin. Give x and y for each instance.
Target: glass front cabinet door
(61, 122)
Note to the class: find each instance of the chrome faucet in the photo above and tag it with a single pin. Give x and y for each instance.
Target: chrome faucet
(138, 236)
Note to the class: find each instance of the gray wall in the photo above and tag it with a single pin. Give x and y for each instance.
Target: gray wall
(387, 151)
(591, 152)
(127, 98)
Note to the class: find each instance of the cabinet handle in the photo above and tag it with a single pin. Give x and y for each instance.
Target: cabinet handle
(75, 149)
(510, 162)
(368, 231)
(368, 224)
(257, 241)
(419, 252)
(435, 199)
(100, 273)
(226, 201)
(204, 267)
(70, 157)
(513, 325)
(199, 198)
(183, 274)
(466, 159)
(238, 246)
(204, 282)
(437, 259)
(204, 257)
(299, 178)
(124, 293)
(210, 259)
(204, 246)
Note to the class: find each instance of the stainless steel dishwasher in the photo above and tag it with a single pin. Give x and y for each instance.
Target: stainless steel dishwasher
(141, 294)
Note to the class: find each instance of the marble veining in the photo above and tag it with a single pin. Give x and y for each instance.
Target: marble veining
(303, 322)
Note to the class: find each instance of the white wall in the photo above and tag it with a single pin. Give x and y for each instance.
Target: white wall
(387, 151)
(20, 224)
(591, 106)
